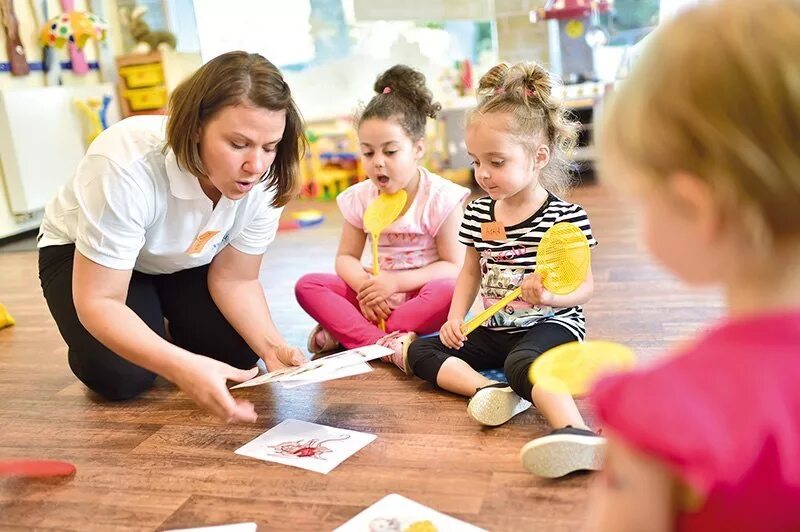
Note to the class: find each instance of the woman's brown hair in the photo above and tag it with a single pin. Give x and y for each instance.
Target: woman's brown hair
(237, 78)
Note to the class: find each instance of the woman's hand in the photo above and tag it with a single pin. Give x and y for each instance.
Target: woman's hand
(534, 292)
(451, 334)
(281, 356)
(204, 380)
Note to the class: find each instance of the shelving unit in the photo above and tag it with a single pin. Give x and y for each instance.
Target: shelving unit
(141, 84)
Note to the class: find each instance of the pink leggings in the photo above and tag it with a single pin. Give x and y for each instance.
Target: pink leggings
(330, 301)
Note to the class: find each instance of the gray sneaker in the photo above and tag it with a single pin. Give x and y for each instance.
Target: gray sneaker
(564, 451)
(494, 404)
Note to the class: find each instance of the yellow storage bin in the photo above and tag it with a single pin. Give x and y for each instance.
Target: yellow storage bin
(146, 99)
(137, 76)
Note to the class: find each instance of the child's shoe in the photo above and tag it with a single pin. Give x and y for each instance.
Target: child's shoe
(494, 404)
(564, 451)
(398, 342)
(321, 341)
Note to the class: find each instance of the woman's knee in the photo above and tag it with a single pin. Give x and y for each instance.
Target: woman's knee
(114, 383)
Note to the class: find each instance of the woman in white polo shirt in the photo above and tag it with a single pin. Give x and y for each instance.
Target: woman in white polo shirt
(172, 223)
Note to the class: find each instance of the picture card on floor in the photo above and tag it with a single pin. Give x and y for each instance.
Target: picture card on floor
(322, 366)
(347, 371)
(306, 445)
(395, 513)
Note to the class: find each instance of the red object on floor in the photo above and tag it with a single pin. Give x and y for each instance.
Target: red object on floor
(35, 468)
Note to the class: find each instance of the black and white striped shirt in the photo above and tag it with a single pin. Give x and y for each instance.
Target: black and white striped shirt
(504, 264)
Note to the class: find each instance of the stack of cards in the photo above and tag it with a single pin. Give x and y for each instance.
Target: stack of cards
(395, 513)
(306, 445)
(334, 366)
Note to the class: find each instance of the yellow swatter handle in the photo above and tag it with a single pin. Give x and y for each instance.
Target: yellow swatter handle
(473, 324)
(376, 269)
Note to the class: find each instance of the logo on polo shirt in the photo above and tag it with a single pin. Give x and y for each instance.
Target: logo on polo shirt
(200, 242)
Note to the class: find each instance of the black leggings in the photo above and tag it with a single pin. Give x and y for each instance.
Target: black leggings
(195, 323)
(489, 349)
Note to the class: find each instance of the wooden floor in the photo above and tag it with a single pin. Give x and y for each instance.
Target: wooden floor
(157, 462)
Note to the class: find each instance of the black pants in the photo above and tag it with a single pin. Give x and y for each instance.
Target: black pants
(488, 349)
(195, 323)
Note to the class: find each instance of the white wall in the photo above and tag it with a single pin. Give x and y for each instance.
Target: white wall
(29, 28)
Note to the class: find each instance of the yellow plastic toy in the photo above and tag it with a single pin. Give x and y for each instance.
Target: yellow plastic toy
(331, 163)
(5, 318)
(91, 111)
(563, 261)
(573, 367)
(378, 216)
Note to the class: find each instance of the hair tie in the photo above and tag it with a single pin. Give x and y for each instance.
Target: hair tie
(528, 93)
(387, 90)
(499, 90)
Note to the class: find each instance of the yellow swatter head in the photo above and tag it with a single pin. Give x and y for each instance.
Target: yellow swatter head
(563, 258)
(573, 367)
(383, 211)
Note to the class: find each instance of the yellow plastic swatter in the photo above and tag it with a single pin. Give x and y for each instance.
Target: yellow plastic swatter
(378, 216)
(562, 260)
(572, 368)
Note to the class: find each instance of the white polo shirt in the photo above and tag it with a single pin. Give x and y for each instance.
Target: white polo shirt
(129, 206)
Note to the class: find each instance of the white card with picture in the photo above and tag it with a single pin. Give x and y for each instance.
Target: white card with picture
(315, 369)
(306, 445)
(395, 513)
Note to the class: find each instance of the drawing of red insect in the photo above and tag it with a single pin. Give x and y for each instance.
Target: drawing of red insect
(314, 448)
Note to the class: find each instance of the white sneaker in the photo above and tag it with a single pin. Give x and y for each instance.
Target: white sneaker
(495, 404)
(564, 451)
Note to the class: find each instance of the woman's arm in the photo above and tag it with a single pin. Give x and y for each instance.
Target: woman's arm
(99, 294)
(235, 288)
(634, 492)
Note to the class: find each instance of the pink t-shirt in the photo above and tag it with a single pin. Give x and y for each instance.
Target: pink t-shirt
(410, 241)
(724, 415)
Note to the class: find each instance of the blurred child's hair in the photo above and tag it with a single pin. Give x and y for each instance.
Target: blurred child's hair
(403, 96)
(523, 91)
(717, 95)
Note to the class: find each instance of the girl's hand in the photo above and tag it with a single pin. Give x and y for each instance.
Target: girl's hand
(534, 292)
(204, 380)
(377, 288)
(376, 311)
(451, 334)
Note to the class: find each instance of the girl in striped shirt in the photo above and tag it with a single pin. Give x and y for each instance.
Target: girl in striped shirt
(516, 137)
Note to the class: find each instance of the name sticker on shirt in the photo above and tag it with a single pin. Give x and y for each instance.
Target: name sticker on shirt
(200, 242)
(493, 231)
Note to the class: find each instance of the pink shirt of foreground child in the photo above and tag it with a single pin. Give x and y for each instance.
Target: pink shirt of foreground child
(742, 459)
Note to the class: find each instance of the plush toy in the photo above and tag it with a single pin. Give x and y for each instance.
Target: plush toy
(146, 40)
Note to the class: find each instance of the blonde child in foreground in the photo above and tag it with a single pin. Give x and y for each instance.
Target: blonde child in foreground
(705, 134)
